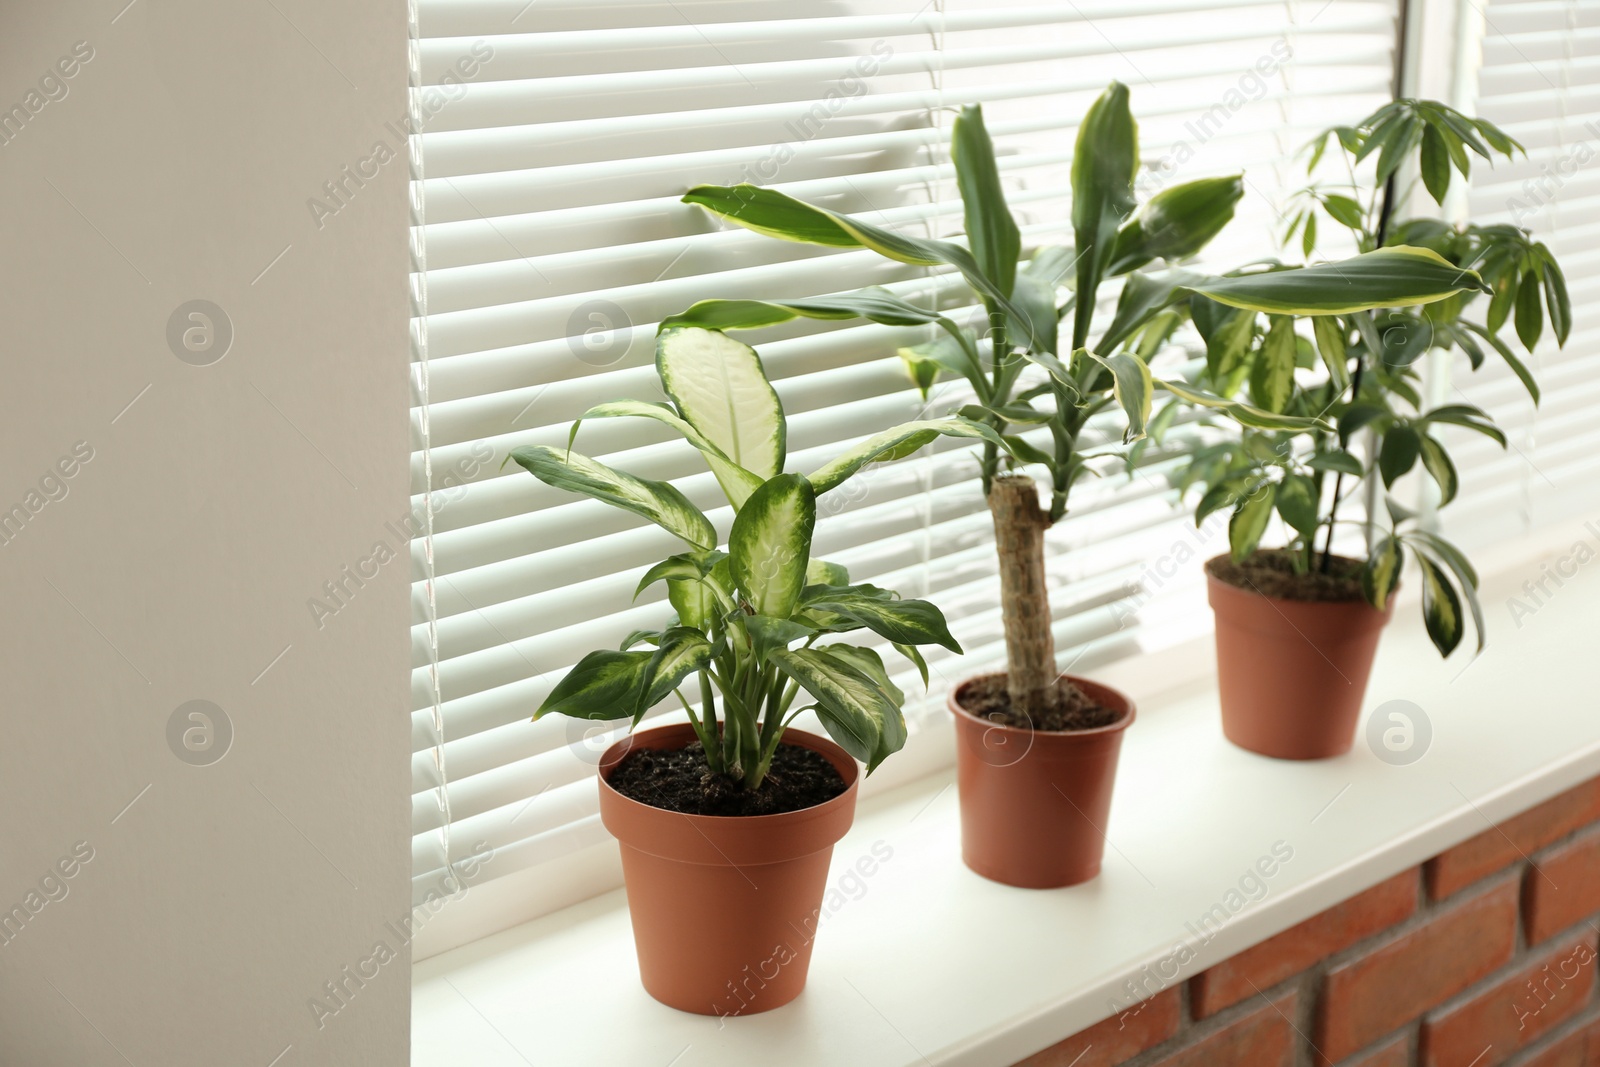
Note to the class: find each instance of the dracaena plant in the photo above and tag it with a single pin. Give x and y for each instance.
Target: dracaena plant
(756, 636)
(1037, 373)
(1369, 385)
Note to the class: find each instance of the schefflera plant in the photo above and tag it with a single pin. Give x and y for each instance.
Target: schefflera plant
(1075, 375)
(1371, 358)
(757, 622)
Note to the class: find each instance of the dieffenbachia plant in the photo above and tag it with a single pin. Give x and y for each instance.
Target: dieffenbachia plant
(1369, 360)
(757, 621)
(1027, 374)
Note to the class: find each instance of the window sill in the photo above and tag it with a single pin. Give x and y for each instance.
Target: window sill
(921, 961)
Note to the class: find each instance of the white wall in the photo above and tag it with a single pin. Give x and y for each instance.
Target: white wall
(178, 563)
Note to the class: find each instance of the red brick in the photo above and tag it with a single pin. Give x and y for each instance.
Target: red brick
(1117, 1039)
(1562, 888)
(1386, 987)
(1396, 1052)
(1515, 1011)
(1509, 841)
(1570, 1051)
(1263, 1038)
(1297, 948)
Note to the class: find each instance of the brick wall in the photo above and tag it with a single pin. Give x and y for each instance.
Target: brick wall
(1483, 956)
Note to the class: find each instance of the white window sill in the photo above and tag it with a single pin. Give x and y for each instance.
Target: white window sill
(923, 962)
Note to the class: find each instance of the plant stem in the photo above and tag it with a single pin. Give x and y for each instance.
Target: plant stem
(708, 712)
(1385, 213)
(1019, 526)
(997, 355)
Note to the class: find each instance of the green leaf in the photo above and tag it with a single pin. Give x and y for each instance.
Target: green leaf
(769, 546)
(1381, 573)
(683, 651)
(874, 304)
(1131, 384)
(604, 685)
(685, 566)
(720, 387)
(1142, 296)
(1356, 416)
(870, 664)
(924, 372)
(767, 633)
(1398, 512)
(1343, 209)
(694, 602)
(1297, 503)
(1503, 144)
(896, 443)
(659, 502)
(1466, 415)
(1027, 452)
(1052, 264)
(912, 653)
(821, 572)
(1520, 369)
(1228, 333)
(1033, 324)
(737, 482)
(770, 212)
(1500, 304)
(1272, 374)
(1018, 411)
(991, 231)
(1249, 521)
(1397, 147)
(1244, 414)
(1436, 461)
(1461, 126)
(1329, 332)
(1104, 162)
(906, 622)
(1556, 300)
(1441, 608)
(1466, 577)
(1216, 498)
(1435, 164)
(1530, 315)
(649, 637)
(955, 354)
(1177, 222)
(1339, 461)
(1397, 276)
(1452, 556)
(1380, 133)
(856, 711)
(1398, 454)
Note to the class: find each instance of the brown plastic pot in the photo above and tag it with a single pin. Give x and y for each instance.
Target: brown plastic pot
(1292, 674)
(1034, 804)
(724, 909)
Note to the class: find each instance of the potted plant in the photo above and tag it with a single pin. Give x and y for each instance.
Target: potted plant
(1298, 625)
(727, 822)
(1036, 750)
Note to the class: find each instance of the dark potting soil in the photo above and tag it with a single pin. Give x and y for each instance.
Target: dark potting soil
(987, 698)
(679, 779)
(1270, 572)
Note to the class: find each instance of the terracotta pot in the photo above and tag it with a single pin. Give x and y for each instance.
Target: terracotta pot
(1034, 804)
(1292, 673)
(724, 908)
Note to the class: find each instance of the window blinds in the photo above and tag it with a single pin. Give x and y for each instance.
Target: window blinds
(1540, 81)
(550, 241)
